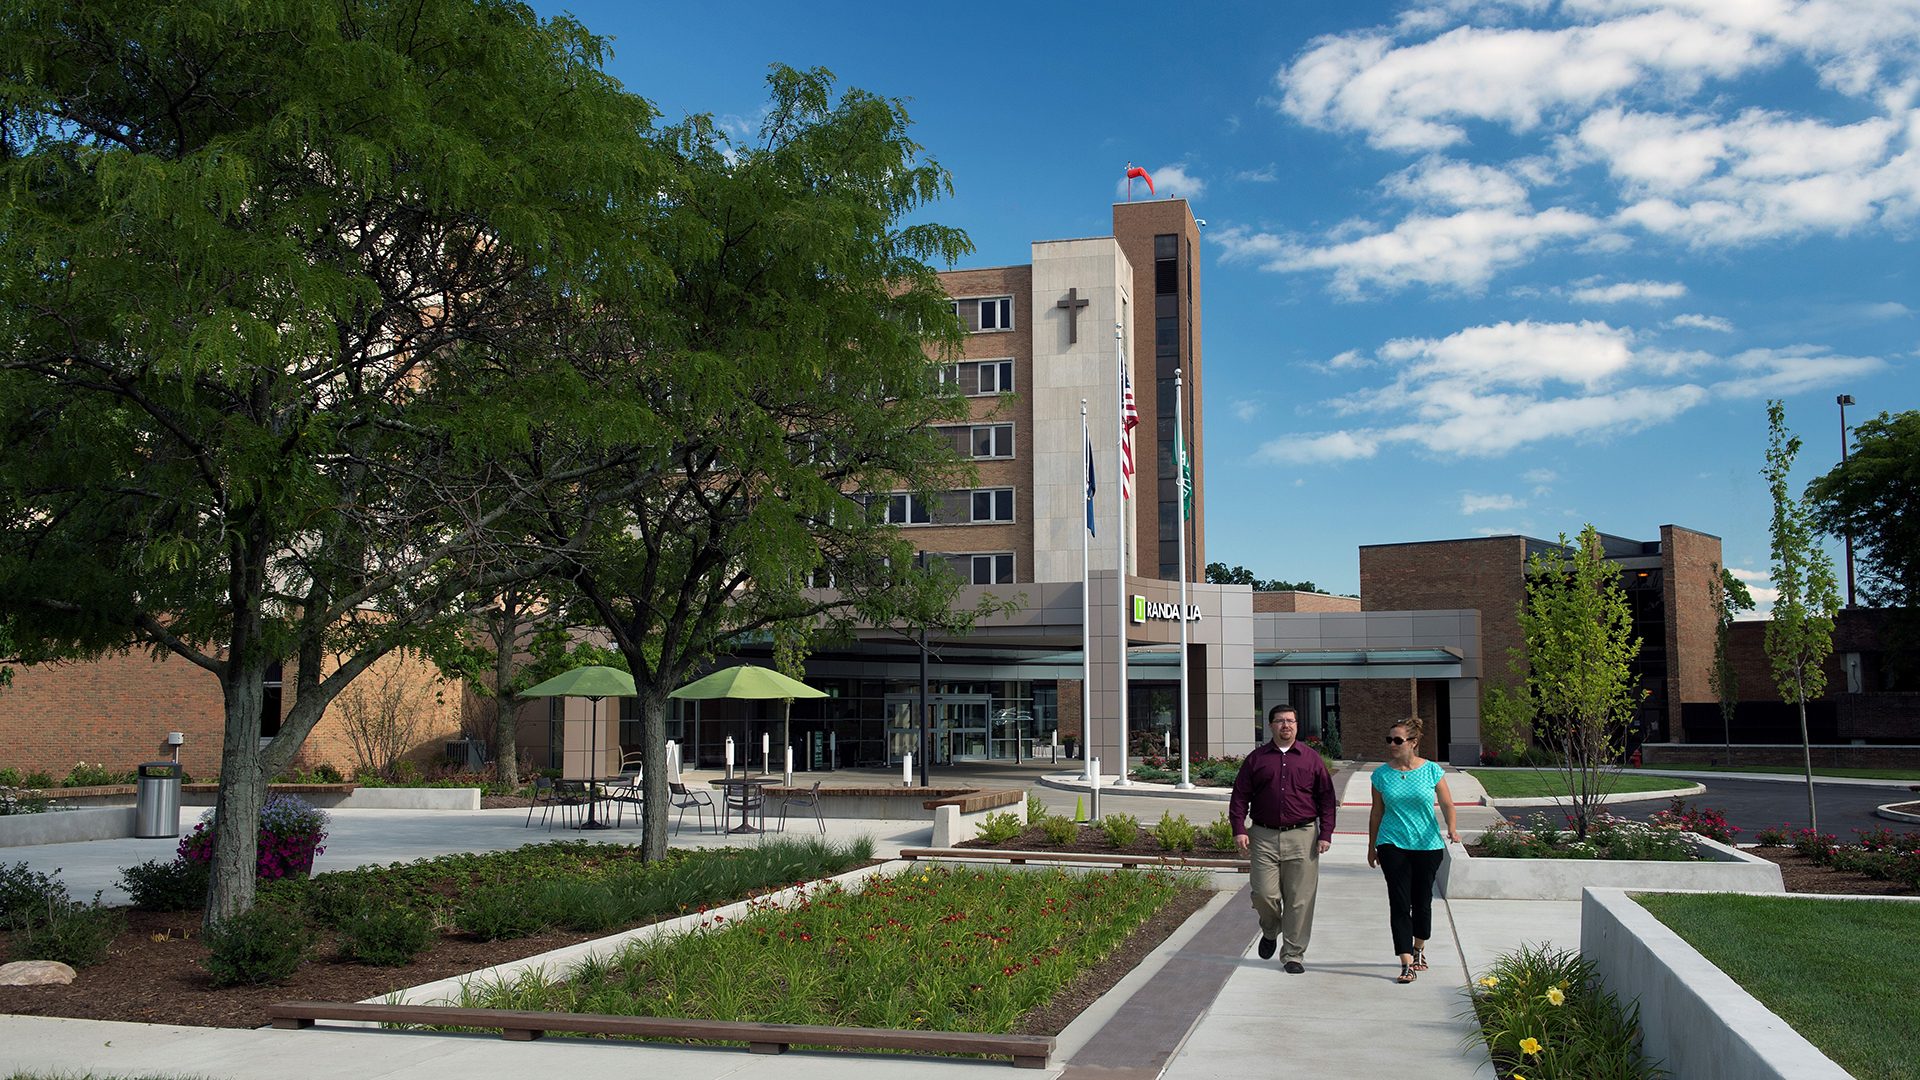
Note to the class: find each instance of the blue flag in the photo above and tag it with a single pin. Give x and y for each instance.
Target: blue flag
(1084, 437)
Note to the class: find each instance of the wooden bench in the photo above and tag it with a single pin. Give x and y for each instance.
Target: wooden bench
(1027, 1051)
(1186, 862)
(975, 801)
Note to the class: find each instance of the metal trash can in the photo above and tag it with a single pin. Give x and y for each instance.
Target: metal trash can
(156, 800)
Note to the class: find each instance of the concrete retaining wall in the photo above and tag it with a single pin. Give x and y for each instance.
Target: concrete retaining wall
(1463, 877)
(66, 826)
(1698, 1023)
(365, 798)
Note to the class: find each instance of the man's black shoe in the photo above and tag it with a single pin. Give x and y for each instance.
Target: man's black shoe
(1295, 967)
(1266, 948)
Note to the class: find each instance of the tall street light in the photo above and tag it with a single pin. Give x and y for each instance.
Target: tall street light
(1846, 534)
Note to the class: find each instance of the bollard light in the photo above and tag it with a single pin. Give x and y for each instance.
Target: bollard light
(789, 764)
(729, 757)
(906, 769)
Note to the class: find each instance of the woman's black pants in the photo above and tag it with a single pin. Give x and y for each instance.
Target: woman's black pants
(1409, 893)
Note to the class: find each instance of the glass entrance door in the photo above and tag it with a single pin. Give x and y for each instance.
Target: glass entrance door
(959, 727)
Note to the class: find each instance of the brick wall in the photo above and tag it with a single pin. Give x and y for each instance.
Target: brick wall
(1303, 601)
(1017, 472)
(1368, 707)
(1488, 575)
(1072, 721)
(1690, 563)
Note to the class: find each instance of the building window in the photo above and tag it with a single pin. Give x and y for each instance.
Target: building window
(993, 504)
(907, 509)
(993, 569)
(996, 313)
(993, 441)
(996, 377)
(949, 374)
(271, 686)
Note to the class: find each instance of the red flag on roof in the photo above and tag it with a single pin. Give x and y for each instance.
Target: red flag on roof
(1135, 171)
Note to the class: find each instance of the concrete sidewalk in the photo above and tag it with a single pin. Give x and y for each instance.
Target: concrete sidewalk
(1356, 1020)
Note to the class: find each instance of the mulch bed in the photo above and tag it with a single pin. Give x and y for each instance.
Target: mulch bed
(153, 974)
(1094, 842)
(1803, 875)
(1906, 808)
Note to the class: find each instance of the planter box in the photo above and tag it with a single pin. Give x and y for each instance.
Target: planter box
(1696, 1021)
(353, 797)
(1722, 869)
(883, 803)
(67, 826)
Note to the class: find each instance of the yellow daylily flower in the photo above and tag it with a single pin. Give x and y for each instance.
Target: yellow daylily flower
(1490, 981)
(1556, 995)
(1530, 1045)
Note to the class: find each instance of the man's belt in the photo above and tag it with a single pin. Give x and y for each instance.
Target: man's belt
(1295, 825)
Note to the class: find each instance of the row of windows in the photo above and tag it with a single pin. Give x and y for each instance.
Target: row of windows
(982, 441)
(977, 377)
(985, 506)
(983, 568)
(985, 313)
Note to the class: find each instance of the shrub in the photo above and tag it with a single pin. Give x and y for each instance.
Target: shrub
(27, 896)
(9, 776)
(1219, 834)
(1700, 820)
(85, 775)
(1771, 837)
(16, 800)
(1000, 828)
(38, 779)
(77, 935)
(1035, 809)
(1608, 837)
(1174, 833)
(1121, 829)
(259, 946)
(1545, 1014)
(587, 906)
(385, 936)
(170, 886)
(1816, 846)
(1059, 830)
(498, 911)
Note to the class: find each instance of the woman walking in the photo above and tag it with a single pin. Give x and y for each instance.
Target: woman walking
(1404, 840)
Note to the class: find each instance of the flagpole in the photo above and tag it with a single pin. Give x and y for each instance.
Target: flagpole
(1086, 609)
(1120, 568)
(1180, 471)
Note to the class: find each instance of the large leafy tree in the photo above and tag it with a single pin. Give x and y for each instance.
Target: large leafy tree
(1874, 496)
(278, 283)
(1578, 679)
(1799, 635)
(787, 369)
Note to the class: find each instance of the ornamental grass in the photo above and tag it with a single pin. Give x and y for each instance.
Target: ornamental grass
(931, 948)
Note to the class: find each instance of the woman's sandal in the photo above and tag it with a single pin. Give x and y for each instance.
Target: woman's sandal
(1419, 960)
(1406, 974)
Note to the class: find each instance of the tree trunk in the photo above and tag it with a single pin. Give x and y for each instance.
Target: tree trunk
(1806, 752)
(243, 789)
(653, 781)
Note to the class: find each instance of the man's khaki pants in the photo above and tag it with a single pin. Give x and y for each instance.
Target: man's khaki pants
(1286, 874)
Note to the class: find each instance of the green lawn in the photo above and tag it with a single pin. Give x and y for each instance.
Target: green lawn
(1796, 770)
(1833, 985)
(1529, 784)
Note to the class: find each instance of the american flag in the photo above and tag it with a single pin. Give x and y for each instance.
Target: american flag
(1129, 419)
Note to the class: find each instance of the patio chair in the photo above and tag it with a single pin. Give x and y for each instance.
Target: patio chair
(747, 801)
(803, 802)
(685, 798)
(549, 796)
(625, 790)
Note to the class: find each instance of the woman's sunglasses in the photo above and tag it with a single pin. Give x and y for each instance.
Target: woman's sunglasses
(1397, 740)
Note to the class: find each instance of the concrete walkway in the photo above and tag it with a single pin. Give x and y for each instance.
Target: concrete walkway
(1351, 1017)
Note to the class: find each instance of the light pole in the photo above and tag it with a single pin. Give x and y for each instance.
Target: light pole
(1846, 534)
(926, 708)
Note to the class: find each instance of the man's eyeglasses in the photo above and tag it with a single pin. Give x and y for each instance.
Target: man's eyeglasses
(1397, 740)
(1285, 720)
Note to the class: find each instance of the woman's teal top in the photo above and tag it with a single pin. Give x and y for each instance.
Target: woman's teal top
(1409, 823)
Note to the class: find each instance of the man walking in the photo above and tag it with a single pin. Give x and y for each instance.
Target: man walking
(1289, 792)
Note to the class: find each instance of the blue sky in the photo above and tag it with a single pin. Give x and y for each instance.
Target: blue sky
(1470, 268)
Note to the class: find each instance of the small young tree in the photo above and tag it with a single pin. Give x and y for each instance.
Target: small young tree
(1580, 646)
(1800, 634)
(381, 714)
(1730, 598)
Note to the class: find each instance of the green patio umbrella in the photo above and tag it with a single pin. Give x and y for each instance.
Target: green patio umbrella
(750, 681)
(592, 682)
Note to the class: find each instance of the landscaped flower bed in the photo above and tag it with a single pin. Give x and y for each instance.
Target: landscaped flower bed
(931, 947)
(1539, 861)
(1204, 772)
(1881, 855)
(1545, 1015)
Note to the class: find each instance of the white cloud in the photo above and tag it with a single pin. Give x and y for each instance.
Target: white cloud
(1886, 309)
(1459, 185)
(1169, 181)
(1245, 410)
(1593, 292)
(1456, 252)
(1267, 174)
(1763, 595)
(1485, 391)
(1701, 322)
(1479, 504)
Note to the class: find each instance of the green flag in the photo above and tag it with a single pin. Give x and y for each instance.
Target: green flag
(1186, 474)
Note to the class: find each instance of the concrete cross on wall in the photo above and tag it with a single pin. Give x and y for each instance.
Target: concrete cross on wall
(1073, 303)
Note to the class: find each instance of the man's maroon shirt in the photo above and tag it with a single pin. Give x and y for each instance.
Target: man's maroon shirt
(1283, 789)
